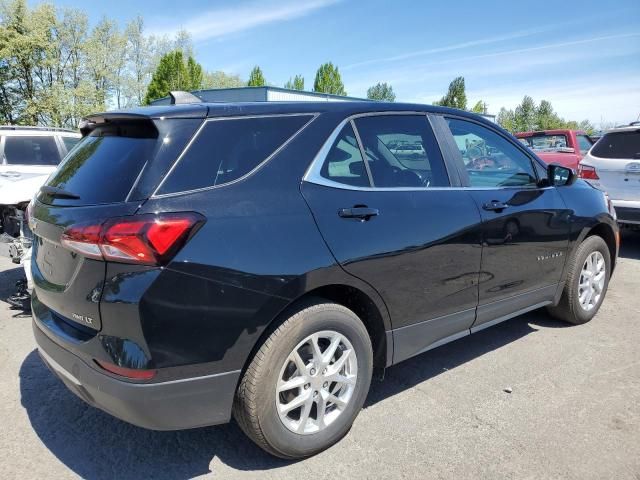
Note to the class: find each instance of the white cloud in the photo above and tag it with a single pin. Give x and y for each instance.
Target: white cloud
(220, 22)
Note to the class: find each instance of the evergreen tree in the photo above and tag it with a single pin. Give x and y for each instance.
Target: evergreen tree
(456, 96)
(256, 79)
(328, 80)
(173, 73)
(381, 91)
(296, 84)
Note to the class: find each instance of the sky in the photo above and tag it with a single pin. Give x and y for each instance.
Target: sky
(582, 56)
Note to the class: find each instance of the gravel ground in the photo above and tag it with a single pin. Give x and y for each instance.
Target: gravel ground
(574, 410)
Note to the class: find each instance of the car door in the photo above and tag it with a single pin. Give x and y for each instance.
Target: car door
(393, 214)
(525, 223)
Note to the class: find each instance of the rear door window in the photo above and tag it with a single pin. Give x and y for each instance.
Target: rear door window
(618, 145)
(31, 150)
(226, 150)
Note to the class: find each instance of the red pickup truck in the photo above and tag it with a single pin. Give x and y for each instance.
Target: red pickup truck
(565, 147)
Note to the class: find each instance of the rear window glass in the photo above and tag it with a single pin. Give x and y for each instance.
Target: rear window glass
(226, 150)
(36, 150)
(546, 142)
(106, 163)
(618, 145)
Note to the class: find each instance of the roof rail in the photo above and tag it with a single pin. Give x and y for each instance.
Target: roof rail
(43, 129)
(178, 97)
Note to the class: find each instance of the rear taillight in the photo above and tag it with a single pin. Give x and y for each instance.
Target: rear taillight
(146, 239)
(588, 172)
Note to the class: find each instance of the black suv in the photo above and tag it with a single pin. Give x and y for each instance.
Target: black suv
(194, 261)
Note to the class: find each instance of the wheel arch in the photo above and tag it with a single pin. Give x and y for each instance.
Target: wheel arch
(608, 234)
(372, 313)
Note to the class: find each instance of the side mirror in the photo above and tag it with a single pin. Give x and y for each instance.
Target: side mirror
(560, 176)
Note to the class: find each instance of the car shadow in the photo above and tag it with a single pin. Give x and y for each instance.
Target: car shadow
(8, 279)
(95, 445)
(630, 244)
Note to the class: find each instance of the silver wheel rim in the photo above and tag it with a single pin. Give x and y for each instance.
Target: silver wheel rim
(591, 282)
(316, 382)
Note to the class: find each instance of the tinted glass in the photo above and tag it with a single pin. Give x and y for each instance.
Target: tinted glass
(225, 150)
(34, 150)
(344, 162)
(70, 142)
(584, 143)
(618, 145)
(490, 159)
(105, 164)
(546, 142)
(402, 151)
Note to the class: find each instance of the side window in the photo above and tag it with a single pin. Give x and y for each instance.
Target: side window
(491, 160)
(402, 151)
(35, 150)
(228, 149)
(70, 142)
(584, 143)
(344, 163)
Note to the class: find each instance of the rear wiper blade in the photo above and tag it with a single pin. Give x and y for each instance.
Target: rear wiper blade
(58, 192)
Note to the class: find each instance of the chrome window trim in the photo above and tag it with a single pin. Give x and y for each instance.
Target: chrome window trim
(312, 175)
(155, 194)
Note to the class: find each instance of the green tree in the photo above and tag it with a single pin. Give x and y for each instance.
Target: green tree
(506, 119)
(328, 80)
(196, 75)
(381, 91)
(256, 78)
(296, 84)
(480, 107)
(526, 115)
(220, 79)
(456, 96)
(173, 73)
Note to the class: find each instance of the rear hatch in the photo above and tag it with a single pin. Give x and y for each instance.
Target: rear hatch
(113, 170)
(616, 158)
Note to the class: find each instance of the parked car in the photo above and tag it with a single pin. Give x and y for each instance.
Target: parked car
(28, 155)
(613, 165)
(564, 147)
(265, 259)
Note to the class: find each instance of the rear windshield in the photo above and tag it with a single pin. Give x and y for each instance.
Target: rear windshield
(226, 150)
(618, 145)
(35, 150)
(545, 142)
(70, 142)
(105, 164)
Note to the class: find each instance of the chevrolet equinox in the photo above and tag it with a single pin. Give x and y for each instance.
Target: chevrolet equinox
(197, 261)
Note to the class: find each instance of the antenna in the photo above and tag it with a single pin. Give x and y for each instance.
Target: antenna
(178, 97)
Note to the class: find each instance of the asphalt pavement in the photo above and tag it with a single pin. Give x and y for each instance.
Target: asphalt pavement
(573, 411)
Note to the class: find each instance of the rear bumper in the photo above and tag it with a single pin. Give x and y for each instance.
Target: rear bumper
(172, 405)
(627, 211)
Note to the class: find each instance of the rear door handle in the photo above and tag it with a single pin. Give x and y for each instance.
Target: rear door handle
(495, 205)
(362, 213)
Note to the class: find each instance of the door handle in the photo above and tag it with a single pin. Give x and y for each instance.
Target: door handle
(495, 205)
(362, 213)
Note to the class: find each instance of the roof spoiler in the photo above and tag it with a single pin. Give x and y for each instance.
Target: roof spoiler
(178, 97)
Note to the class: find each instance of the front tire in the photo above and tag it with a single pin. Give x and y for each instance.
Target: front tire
(307, 383)
(588, 276)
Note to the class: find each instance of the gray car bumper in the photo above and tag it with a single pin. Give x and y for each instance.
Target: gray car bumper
(174, 405)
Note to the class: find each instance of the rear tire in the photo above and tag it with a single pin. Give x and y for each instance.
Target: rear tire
(287, 370)
(588, 276)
